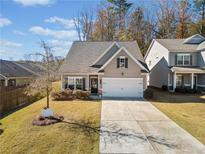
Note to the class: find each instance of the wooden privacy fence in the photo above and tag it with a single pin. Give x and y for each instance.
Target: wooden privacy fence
(11, 98)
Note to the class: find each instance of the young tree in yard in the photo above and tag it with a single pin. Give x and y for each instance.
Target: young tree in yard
(183, 18)
(43, 83)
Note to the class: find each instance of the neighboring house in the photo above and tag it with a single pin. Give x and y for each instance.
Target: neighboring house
(18, 73)
(115, 69)
(177, 63)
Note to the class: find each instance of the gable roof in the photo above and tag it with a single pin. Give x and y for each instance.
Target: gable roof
(20, 69)
(127, 52)
(107, 54)
(177, 45)
(11, 69)
(83, 55)
(32, 67)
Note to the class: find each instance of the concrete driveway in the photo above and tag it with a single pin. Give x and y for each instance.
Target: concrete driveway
(138, 127)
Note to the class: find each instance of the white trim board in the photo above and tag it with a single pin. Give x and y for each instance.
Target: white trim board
(128, 53)
(200, 85)
(82, 73)
(108, 49)
(3, 76)
(148, 50)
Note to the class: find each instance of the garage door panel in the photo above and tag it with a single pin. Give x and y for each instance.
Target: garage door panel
(122, 87)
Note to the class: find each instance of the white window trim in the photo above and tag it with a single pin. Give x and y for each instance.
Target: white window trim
(183, 59)
(74, 79)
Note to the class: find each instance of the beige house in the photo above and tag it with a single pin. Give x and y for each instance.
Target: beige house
(114, 69)
(177, 63)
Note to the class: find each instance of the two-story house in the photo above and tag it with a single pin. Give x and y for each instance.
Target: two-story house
(114, 69)
(177, 63)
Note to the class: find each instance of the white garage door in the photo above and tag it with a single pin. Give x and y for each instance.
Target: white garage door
(122, 87)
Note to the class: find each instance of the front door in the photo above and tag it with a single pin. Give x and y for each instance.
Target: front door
(94, 85)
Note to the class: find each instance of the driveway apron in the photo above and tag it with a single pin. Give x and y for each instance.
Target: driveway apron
(136, 126)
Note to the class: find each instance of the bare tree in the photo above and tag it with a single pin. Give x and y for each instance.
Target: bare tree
(83, 24)
(43, 83)
(183, 17)
(166, 20)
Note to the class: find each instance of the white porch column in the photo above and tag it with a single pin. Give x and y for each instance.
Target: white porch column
(168, 79)
(174, 81)
(192, 80)
(6, 82)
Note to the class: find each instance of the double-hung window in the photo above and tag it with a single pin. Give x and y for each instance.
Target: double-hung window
(75, 83)
(183, 59)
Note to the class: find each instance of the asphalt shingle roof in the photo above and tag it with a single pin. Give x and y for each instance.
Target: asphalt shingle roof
(201, 46)
(177, 45)
(35, 68)
(82, 55)
(10, 69)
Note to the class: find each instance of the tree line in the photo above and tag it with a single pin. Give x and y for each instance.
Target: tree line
(122, 20)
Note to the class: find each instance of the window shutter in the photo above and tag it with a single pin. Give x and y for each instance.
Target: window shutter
(118, 62)
(176, 59)
(126, 62)
(190, 59)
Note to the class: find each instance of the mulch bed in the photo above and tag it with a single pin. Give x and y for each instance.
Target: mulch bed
(44, 121)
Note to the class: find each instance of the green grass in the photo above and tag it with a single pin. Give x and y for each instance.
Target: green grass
(20, 136)
(187, 110)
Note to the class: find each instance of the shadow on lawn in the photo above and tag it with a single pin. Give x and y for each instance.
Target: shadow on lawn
(115, 134)
(1, 130)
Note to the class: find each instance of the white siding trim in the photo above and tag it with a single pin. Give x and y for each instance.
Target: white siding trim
(200, 85)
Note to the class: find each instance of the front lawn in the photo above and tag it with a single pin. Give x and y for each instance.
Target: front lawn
(18, 135)
(187, 110)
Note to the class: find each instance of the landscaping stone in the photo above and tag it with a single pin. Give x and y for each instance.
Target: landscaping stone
(44, 121)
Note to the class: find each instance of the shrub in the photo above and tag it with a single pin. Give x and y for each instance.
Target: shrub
(85, 94)
(62, 95)
(148, 94)
(185, 90)
(80, 94)
(164, 88)
(70, 95)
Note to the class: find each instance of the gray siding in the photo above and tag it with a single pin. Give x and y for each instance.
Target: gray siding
(172, 58)
(159, 74)
(201, 79)
(201, 59)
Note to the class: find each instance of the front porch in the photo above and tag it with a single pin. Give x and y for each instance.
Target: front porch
(88, 82)
(186, 78)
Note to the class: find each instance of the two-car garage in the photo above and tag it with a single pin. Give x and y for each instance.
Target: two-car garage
(122, 87)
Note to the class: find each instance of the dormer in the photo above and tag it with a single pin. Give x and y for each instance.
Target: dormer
(195, 39)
